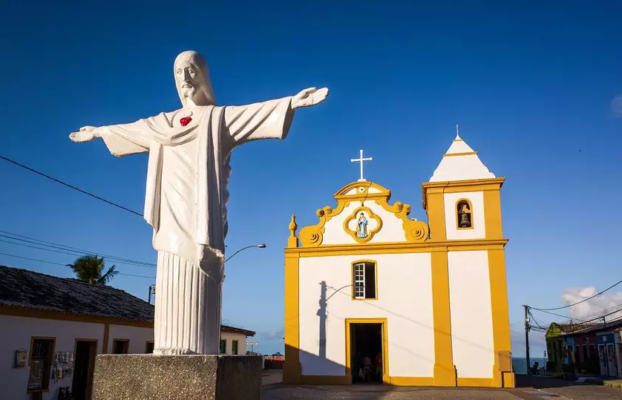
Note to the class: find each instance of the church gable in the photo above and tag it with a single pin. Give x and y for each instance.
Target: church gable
(363, 216)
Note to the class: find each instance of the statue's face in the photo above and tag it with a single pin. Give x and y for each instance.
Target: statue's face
(188, 80)
(192, 80)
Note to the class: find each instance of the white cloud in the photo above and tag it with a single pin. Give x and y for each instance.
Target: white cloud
(616, 106)
(593, 308)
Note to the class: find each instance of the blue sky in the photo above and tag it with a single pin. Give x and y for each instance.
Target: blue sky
(532, 86)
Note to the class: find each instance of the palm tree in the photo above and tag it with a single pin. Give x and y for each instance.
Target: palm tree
(90, 269)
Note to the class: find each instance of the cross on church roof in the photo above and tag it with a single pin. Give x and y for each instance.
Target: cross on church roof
(361, 160)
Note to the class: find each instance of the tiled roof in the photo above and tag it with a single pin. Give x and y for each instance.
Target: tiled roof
(28, 289)
(22, 288)
(231, 329)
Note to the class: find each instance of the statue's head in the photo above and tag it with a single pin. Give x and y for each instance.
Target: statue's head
(192, 80)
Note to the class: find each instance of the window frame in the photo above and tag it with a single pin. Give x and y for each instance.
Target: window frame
(235, 347)
(465, 200)
(220, 346)
(47, 371)
(147, 343)
(115, 340)
(353, 282)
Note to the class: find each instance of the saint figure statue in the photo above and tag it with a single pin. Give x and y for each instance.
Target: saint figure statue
(186, 195)
(465, 216)
(362, 226)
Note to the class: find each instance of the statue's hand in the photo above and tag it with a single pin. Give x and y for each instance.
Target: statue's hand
(86, 134)
(309, 97)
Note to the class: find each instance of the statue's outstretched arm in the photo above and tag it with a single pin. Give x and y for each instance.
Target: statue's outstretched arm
(85, 134)
(122, 140)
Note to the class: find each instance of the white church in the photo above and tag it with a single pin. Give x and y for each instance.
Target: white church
(373, 295)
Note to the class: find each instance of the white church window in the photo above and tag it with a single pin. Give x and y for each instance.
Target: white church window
(364, 280)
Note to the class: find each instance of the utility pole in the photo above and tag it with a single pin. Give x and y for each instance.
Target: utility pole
(527, 327)
(151, 290)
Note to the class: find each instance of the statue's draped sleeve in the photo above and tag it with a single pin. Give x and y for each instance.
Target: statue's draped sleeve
(126, 139)
(266, 120)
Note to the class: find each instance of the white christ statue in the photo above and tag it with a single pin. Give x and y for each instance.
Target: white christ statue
(186, 195)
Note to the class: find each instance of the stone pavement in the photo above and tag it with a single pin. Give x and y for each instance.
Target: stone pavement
(530, 389)
(569, 390)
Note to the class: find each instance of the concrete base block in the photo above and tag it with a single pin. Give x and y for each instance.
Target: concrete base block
(151, 377)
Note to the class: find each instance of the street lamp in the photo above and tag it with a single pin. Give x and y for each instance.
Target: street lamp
(259, 246)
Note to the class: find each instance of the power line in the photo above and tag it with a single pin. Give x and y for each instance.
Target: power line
(557, 315)
(63, 249)
(73, 253)
(70, 186)
(579, 302)
(589, 320)
(64, 265)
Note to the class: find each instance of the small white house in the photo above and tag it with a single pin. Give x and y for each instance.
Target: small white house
(52, 328)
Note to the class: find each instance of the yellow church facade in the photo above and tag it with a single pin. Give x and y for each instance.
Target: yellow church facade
(372, 294)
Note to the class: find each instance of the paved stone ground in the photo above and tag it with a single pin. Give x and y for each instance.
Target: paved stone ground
(568, 390)
(531, 389)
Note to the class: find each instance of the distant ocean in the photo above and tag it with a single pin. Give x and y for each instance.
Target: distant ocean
(520, 364)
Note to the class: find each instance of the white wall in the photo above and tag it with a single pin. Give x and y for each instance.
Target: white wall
(138, 337)
(392, 229)
(15, 334)
(230, 337)
(471, 314)
(479, 227)
(404, 298)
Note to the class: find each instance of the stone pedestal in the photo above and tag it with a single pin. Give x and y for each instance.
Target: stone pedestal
(152, 377)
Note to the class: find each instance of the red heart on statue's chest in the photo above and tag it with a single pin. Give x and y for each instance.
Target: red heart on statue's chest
(185, 121)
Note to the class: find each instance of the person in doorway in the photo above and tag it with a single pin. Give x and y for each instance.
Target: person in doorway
(358, 365)
(379, 367)
(367, 369)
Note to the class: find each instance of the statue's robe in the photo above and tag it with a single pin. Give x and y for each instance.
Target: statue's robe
(185, 202)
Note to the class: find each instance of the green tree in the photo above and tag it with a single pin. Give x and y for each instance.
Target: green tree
(90, 269)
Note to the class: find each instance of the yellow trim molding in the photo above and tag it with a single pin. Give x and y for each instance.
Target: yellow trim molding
(411, 381)
(385, 344)
(65, 316)
(370, 233)
(434, 204)
(312, 236)
(476, 382)
(398, 247)
(444, 369)
(502, 370)
(468, 185)
(292, 370)
(492, 214)
(469, 153)
(375, 277)
(362, 192)
(292, 241)
(458, 214)
(414, 231)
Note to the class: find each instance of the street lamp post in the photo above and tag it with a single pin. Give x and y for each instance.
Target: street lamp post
(259, 246)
